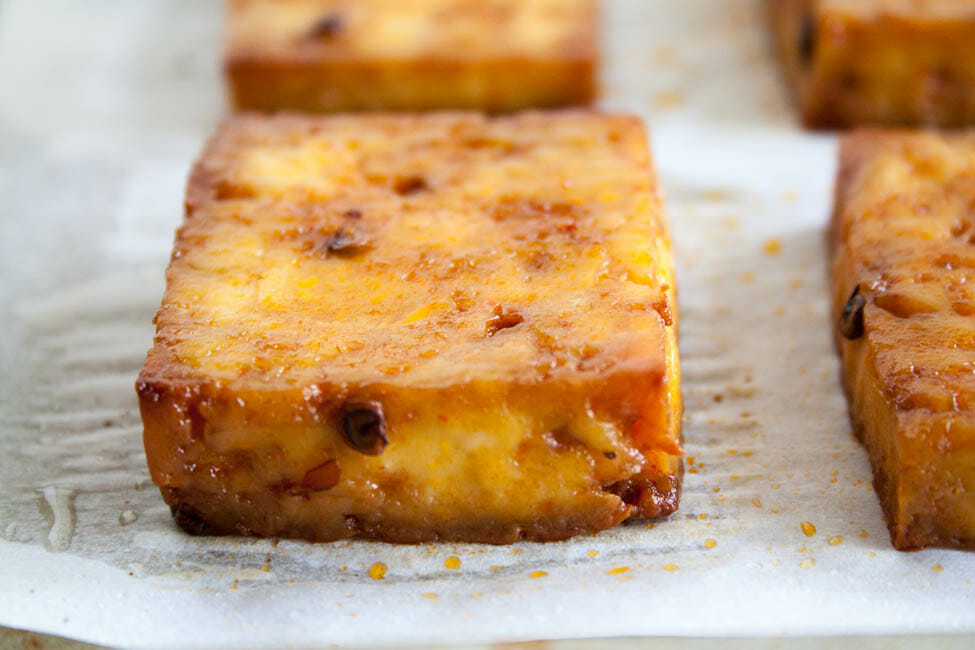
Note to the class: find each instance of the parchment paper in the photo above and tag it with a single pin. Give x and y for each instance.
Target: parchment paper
(105, 104)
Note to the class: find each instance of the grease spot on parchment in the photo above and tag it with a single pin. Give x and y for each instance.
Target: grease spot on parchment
(61, 503)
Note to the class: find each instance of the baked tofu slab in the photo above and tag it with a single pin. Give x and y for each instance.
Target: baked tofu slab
(418, 327)
(903, 239)
(342, 55)
(878, 62)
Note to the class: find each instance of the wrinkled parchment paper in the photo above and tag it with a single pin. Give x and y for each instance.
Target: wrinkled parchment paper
(104, 106)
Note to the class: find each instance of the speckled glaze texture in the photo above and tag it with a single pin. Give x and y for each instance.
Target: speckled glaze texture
(418, 327)
(902, 238)
(332, 55)
(867, 62)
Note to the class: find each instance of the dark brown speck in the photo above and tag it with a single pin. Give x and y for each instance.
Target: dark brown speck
(346, 241)
(364, 429)
(409, 185)
(807, 40)
(323, 477)
(502, 319)
(329, 26)
(190, 520)
(851, 318)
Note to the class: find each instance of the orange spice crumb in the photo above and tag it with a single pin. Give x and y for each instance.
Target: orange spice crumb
(670, 567)
(772, 247)
(429, 594)
(756, 503)
(495, 568)
(938, 568)
(668, 99)
(863, 533)
(538, 574)
(664, 56)
(702, 517)
(618, 570)
(835, 541)
(593, 553)
(377, 571)
(807, 563)
(808, 528)
(452, 563)
(650, 525)
(710, 543)
(265, 567)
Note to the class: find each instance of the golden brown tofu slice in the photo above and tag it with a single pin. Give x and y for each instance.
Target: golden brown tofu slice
(903, 240)
(883, 62)
(418, 327)
(335, 55)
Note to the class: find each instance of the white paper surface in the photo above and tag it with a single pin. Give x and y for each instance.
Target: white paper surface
(105, 105)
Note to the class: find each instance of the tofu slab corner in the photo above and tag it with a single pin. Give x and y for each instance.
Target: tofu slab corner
(347, 55)
(418, 327)
(903, 242)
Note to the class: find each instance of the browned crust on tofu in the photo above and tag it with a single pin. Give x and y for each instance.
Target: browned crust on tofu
(865, 62)
(425, 269)
(177, 419)
(903, 231)
(464, 55)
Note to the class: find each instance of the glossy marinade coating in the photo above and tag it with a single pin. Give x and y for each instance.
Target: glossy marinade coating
(418, 327)
(878, 62)
(335, 55)
(903, 242)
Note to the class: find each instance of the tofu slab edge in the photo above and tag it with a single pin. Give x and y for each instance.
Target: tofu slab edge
(901, 238)
(867, 62)
(339, 55)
